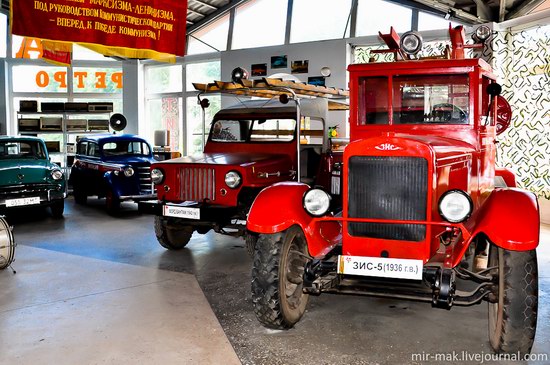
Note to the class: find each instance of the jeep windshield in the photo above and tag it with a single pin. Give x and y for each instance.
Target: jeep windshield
(414, 99)
(126, 148)
(12, 150)
(253, 130)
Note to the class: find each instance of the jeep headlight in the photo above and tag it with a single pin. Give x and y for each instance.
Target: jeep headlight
(316, 202)
(128, 171)
(57, 174)
(233, 179)
(157, 176)
(455, 206)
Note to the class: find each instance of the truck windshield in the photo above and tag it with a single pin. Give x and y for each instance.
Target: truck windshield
(417, 99)
(11, 150)
(126, 148)
(253, 130)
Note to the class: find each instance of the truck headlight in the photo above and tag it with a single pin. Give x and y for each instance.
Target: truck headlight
(316, 202)
(128, 171)
(455, 206)
(233, 179)
(411, 43)
(157, 176)
(57, 174)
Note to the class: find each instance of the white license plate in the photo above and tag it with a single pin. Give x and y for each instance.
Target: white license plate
(182, 212)
(22, 201)
(380, 267)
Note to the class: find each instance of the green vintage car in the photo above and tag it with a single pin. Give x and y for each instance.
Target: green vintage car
(27, 176)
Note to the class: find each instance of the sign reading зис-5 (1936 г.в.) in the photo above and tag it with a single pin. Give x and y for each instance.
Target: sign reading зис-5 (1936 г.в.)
(137, 27)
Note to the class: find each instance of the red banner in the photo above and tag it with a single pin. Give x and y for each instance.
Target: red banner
(135, 28)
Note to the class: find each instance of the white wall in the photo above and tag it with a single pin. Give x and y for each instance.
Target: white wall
(132, 94)
(331, 53)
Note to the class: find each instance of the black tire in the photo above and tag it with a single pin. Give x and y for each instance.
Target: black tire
(57, 209)
(277, 278)
(80, 197)
(250, 240)
(112, 203)
(513, 315)
(169, 236)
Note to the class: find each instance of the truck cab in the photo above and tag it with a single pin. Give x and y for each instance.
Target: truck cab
(426, 215)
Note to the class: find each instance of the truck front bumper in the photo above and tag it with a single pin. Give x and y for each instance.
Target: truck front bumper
(29, 195)
(191, 212)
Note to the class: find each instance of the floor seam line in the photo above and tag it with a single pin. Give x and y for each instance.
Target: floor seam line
(84, 296)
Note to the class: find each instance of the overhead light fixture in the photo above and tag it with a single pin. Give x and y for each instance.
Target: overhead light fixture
(451, 13)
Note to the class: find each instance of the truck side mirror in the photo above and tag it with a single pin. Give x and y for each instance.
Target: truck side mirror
(503, 109)
(204, 103)
(283, 98)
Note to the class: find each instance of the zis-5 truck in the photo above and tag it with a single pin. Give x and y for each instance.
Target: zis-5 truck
(425, 214)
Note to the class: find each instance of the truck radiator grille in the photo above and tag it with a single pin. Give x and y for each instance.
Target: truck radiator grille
(381, 187)
(197, 184)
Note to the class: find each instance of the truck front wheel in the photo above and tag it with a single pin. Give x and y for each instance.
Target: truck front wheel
(513, 312)
(277, 278)
(172, 237)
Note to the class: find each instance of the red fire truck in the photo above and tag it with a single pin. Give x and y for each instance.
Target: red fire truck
(425, 214)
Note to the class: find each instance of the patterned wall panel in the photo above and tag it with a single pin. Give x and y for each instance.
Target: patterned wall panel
(522, 62)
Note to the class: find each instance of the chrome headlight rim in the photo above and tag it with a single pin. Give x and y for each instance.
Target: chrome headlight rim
(404, 38)
(57, 174)
(128, 171)
(157, 176)
(462, 193)
(306, 202)
(233, 179)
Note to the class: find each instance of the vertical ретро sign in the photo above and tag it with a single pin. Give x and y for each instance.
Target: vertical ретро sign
(127, 28)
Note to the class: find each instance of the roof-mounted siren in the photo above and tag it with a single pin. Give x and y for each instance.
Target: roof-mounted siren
(458, 37)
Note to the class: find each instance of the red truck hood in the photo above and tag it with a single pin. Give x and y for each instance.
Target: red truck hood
(442, 146)
(242, 159)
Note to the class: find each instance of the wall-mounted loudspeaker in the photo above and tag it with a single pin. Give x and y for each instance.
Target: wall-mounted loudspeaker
(118, 122)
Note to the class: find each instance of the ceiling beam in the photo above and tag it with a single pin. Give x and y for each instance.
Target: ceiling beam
(214, 16)
(502, 11)
(196, 12)
(206, 4)
(459, 13)
(482, 9)
(523, 9)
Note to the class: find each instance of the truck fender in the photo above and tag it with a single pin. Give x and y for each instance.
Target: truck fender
(510, 219)
(505, 175)
(278, 207)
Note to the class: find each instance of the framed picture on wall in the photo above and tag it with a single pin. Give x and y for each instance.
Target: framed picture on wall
(279, 62)
(300, 67)
(316, 80)
(258, 69)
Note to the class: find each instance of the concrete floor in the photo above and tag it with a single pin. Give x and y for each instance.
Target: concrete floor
(108, 293)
